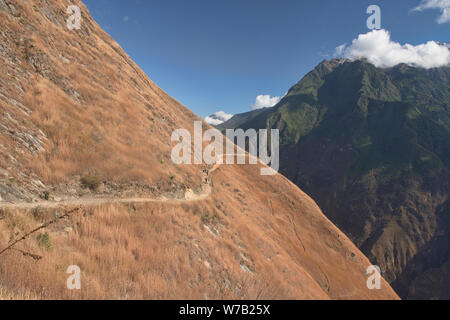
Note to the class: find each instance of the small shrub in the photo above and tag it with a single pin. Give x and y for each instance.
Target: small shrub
(46, 195)
(44, 240)
(91, 181)
(2, 214)
(207, 219)
(38, 213)
(172, 177)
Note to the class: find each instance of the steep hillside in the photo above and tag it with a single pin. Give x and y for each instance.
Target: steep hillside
(372, 147)
(86, 179)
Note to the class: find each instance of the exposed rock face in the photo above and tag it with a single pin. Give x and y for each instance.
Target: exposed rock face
(81, 125)
(372, 147)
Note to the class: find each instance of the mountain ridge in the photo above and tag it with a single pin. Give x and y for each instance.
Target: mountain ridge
(370, 145)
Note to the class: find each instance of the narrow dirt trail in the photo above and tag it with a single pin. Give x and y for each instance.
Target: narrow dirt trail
(90, 202)
(190, 196)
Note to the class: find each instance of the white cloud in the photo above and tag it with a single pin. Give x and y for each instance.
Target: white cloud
(378, 48)
(218, 118)
(340, 50)
(126, 18)
(264, 101)
(442, 5)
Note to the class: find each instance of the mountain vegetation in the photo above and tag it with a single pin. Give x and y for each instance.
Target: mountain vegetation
(372, 147)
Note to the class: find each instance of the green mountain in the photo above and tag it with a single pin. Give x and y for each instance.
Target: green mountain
(372, 147)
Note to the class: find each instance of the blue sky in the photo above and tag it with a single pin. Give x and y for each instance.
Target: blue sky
(219, 55)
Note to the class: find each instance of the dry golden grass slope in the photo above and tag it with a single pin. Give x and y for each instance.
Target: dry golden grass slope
(79, 120)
